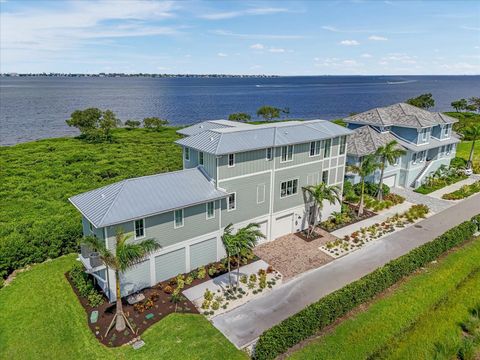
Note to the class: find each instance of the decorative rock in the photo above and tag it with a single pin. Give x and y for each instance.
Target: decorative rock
(138, 344)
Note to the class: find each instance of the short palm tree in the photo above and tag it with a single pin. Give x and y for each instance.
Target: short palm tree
(320, 193)
(367, 166)
(472, 132)
(228, 240)
(388, 153)
(120, 259)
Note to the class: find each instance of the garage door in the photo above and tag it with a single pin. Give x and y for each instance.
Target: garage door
(169, 265)
(390, 181)
(263, 229)
(135, 278)
(203, 253)
(282, 225)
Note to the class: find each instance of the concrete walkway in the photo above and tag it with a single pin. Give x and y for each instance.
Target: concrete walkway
(435, 205)
(243, 325)
(451, 188)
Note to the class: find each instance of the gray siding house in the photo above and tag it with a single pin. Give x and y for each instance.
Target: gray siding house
(425, 136)
(233, 173)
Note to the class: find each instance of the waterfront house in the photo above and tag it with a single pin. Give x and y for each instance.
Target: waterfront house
(232, 173)
(426, 136)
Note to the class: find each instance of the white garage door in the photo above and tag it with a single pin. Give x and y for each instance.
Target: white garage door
(390, 181)
(263, 229)
(203, 253)
(282, 225)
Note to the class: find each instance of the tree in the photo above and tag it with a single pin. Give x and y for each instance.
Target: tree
(132, 124)
(320, 193)
(475, 101)
(367, 166)
(228, 240)
(388, 153)
(269, 112)
(94, 124)
(472, 132)
(459, 105)
(107, 122)
(241, 117)
(154, 123)
(424, 101)
(120, 259)
(471, 107)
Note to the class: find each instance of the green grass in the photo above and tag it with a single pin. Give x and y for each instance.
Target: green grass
(41, 318)
(465, 119)
(36, 219)
(398, 321)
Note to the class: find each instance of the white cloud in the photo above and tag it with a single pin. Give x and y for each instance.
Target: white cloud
(349, 42)
(257, 46)
(471, 28)
(337, 30)
(377, 38)
(276, 50)
(336, 63)
(257, 36)
(234, 14)
(400, 57)
(221, 54)
(366, 55)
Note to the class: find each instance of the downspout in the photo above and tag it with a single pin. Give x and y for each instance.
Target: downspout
(108, 273)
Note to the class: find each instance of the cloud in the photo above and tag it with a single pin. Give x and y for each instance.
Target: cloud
(336, 63)
(349, 42)
(400, 57)
(257, 36)
(337, 30)
(221, 54)
(471, 28)
(257, 47)
(247, 12)
(276, 50)
(377, 38)
(366, 55)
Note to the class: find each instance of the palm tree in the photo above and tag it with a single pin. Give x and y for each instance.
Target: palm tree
(319, 193)
(472, 132)
(367, 166)
(228, 240)
(388, 153)
(124, 256)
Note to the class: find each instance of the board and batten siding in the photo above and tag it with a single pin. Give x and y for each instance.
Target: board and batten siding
(209, 162)
(98, 233)
(135, 278)
(247, 162)
(161, 227)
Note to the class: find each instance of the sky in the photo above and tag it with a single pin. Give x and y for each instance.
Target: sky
(356, 37)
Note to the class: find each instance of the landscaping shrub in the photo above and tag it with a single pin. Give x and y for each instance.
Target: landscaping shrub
(370, 189)
(463, 192)
(324, 312)
(458, 163)
(84, 285)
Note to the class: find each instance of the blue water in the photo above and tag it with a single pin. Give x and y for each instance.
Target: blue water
(37, 107)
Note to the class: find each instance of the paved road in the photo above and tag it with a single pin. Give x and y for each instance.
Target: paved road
(243, 325)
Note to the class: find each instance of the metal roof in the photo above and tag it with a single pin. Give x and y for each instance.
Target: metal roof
(145, 196)
(401, 114)
(232, 140)
(209, 125)
(366, 140)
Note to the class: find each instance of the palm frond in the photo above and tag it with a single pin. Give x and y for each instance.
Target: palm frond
(129, 254)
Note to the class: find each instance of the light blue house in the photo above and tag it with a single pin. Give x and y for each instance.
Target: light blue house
(426, 136)
(233, 173)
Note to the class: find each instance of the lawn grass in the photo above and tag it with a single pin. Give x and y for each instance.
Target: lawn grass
(420, 298)
(41, 318)
(36, 220)
(463, 151)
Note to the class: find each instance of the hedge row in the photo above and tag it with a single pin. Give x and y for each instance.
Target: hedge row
(324, 312)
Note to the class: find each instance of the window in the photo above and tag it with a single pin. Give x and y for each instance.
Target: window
(231, 202)
(90, 227)
(210, 210)
(269, 154)
(328, 145)
(325, 177)
(260, 193)
(287, 153)
(178, 218)
(446, 130)
(200, 158)
(231, 160)
(315, 148)
(187, 154)
(449, 149)
(414, 158)
(424, 134)
(421, 156)
(395, 162)
(343, 145)
(139, 228)
(288, 188)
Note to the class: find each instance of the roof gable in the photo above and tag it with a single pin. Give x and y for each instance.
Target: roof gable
(366, 140)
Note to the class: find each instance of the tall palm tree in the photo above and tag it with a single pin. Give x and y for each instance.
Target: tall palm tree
(319, 193)
(120, 259)
(228, 240)
(472, 132)
(388, 153)
(367, 166)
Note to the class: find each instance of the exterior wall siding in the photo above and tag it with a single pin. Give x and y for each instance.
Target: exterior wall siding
(248, 162)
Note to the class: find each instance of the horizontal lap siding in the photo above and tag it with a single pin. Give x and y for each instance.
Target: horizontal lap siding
(138, 276)
(248, 162)
(203, 253)
(170, 265)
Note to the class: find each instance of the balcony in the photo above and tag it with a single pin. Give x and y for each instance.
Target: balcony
(90, 258)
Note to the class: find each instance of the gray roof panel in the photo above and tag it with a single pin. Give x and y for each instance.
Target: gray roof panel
(145, 196)
(366, 140)
(210, 125)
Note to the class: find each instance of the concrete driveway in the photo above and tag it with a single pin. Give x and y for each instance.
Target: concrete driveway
(243, 325)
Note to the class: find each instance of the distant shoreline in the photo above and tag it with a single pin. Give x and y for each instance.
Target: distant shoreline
(251, 76)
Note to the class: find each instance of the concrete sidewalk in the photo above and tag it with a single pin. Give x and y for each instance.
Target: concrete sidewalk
(243, 325)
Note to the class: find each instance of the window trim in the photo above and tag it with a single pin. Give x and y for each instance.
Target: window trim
(343, 145)
(446, 129)
(234, 201)
(228, 160)
(186, 153)
(202, 157)
(175, 226)
(286, 188)
(91, 227)
(317, 150)
(135, 237)
(261, 186)
(325, 156)
(286, 158)
(206, 210)
(449, 149)
(267, 158)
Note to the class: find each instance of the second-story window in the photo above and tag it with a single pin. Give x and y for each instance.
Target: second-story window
(139, 228)
(187, 154)
(211, 210)
(287, 153)
(288, 188)
(343, 145)
(231, 160)
(446, 130)
(424, 135)
(178, 218)
(325, 177)
(200, 157)
(231, 202)
(327, 148)
(315, 148)
(269, 154)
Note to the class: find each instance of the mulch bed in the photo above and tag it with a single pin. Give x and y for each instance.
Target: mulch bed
(304, 236)
(161, 307)
(366, 214)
